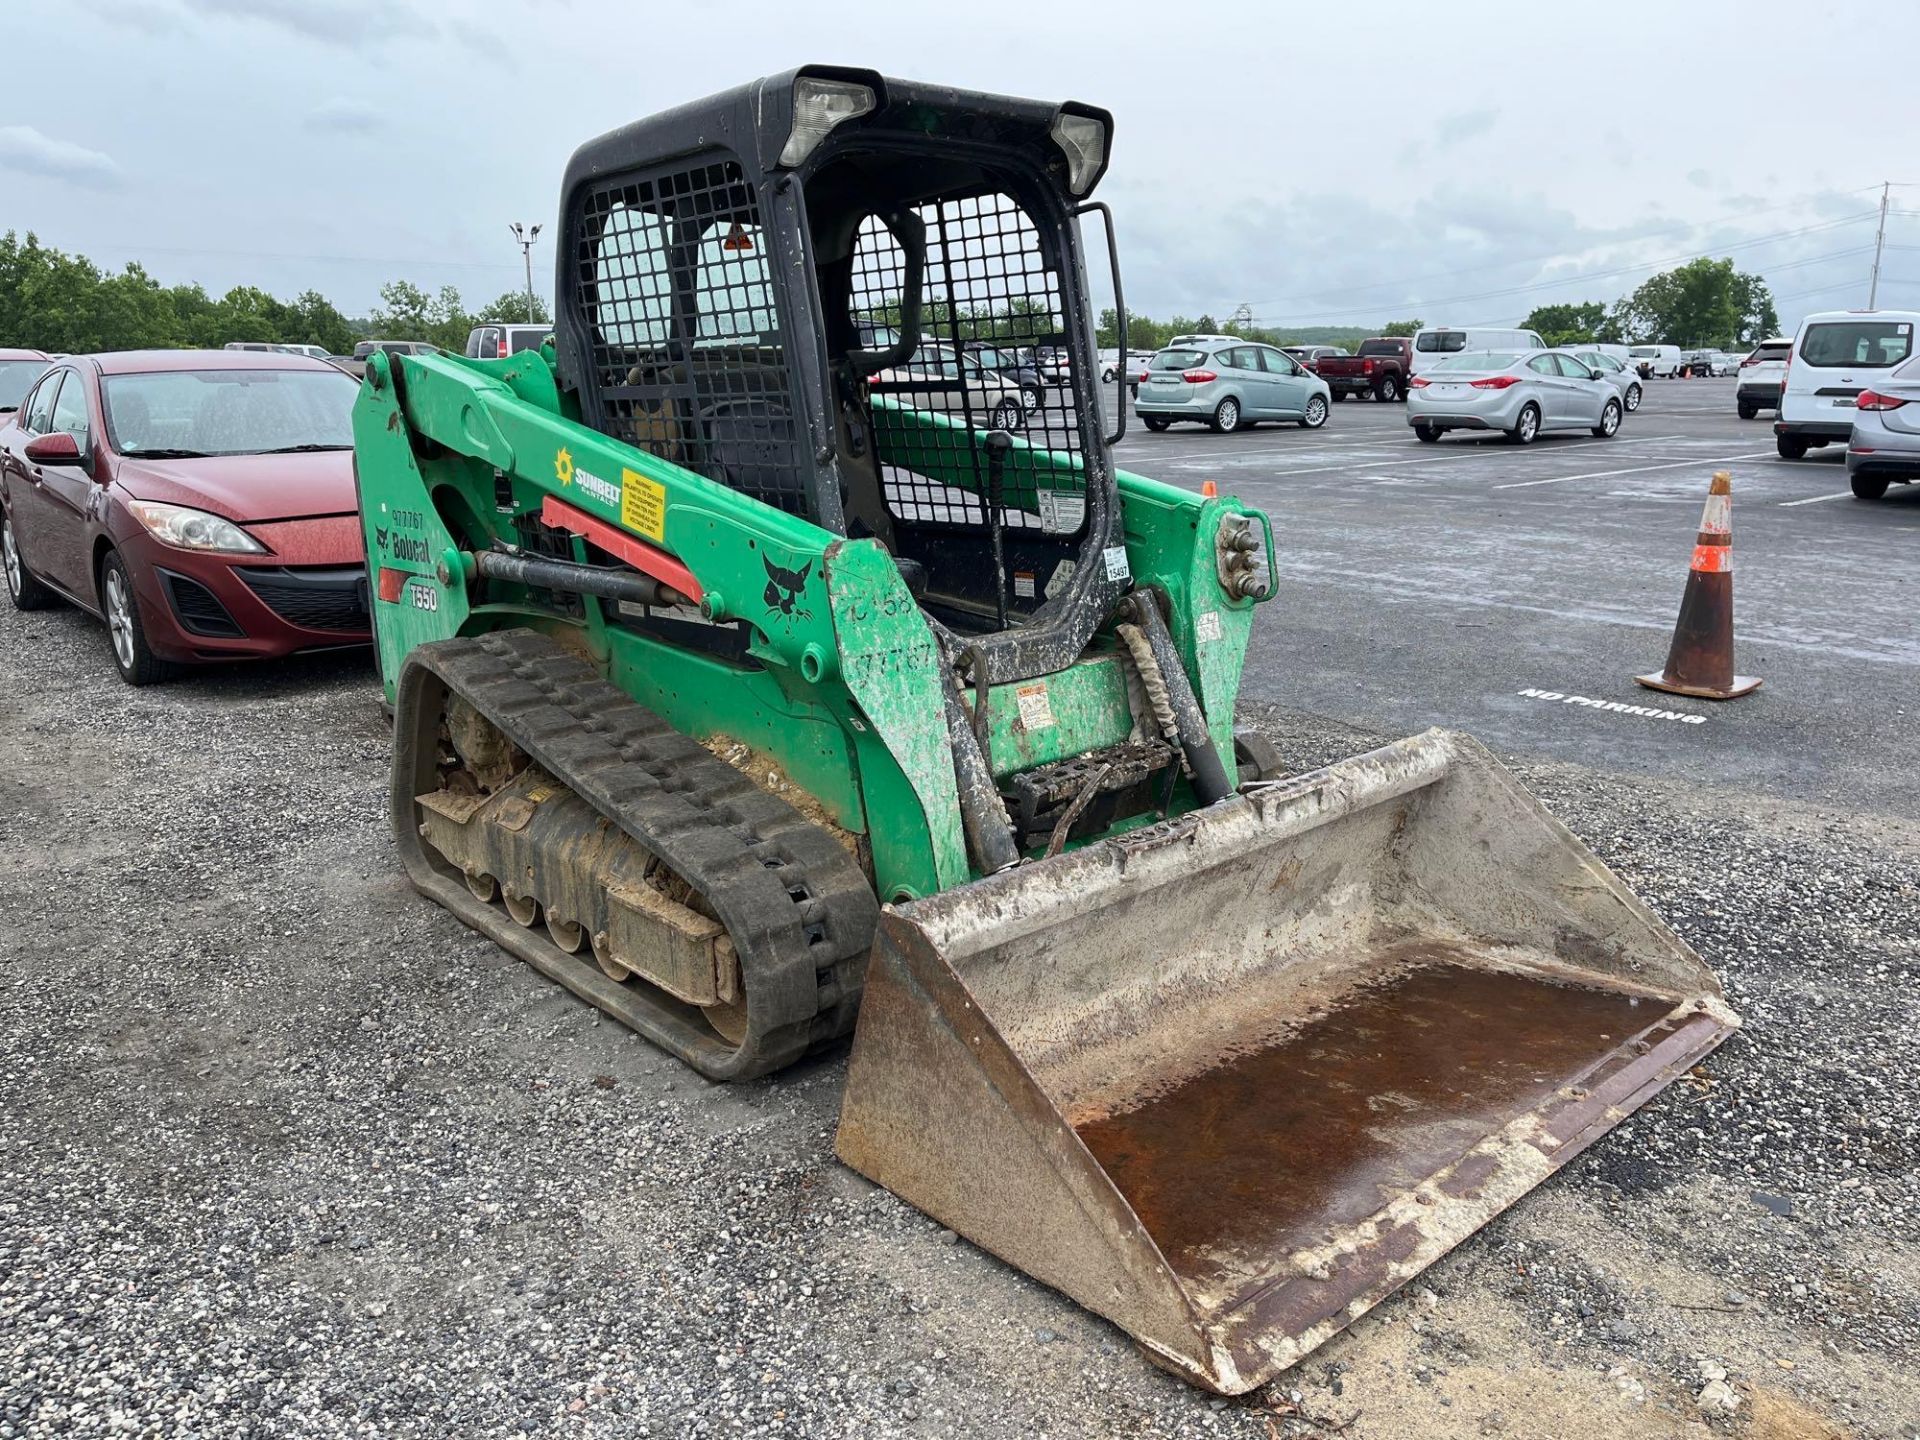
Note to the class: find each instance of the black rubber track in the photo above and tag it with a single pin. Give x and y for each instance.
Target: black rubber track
(797, 907)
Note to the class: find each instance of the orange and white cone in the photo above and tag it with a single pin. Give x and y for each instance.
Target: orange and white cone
(1700, 663)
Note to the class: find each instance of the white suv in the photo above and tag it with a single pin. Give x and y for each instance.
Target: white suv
(1836, 355)
(1762, 374)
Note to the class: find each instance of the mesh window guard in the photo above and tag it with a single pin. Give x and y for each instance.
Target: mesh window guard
(689, 359)
(993, 355)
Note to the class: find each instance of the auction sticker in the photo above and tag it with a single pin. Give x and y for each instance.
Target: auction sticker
(1036, 710)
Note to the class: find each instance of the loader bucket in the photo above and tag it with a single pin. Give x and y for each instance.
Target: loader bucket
(1231, 1079)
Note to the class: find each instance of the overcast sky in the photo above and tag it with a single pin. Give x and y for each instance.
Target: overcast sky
(1328, 164)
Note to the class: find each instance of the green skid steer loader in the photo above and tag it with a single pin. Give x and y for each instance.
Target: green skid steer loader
(762, 659)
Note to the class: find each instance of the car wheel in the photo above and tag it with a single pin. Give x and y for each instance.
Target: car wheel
(1156, 423)
(1790, 447)
(1526, 429)
(1106, 377)
(1633, 398)
(1388, 389)
(1316, 413)
(23, 589)
(1609, 425)
(1226, 415)
(1340, 395)
(1867, 487)
(1032, 397)
(1426, 434)
(1748, 412)
(1007, 415)
(137, 664)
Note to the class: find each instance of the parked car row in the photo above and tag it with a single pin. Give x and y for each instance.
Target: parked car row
(1852, 377)
(200, 503)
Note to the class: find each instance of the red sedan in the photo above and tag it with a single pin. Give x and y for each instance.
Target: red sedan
(200, 502)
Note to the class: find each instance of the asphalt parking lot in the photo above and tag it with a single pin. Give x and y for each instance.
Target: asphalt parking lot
(1432, 584)
(289, 1151)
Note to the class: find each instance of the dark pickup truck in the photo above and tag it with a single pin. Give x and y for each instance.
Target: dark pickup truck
(1379, 368)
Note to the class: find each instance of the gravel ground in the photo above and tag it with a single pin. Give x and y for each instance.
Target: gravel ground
(289, 1151)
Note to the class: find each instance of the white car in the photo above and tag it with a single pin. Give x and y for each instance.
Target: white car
(1435, 346)
(1656, 362)
(1762, 376)
(1836, 355)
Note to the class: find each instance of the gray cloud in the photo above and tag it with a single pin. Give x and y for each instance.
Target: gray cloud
(1699, 179)
(1463, 125)
(341, 116)
(26, 150)
(337, 22)
(146, 16)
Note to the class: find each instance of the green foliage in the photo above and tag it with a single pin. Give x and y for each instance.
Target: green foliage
(1569, 324)
(1699, 304)
(53, 301)
(511, 309)
(1401, 328)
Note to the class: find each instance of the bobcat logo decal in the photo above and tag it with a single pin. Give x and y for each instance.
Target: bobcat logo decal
(783, 589)
(380, 536)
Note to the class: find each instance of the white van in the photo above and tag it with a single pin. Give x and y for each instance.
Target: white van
(1836, 355)
(1656, 361)
(1430, 347)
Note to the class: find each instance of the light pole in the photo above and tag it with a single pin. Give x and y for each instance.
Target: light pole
(525, 238)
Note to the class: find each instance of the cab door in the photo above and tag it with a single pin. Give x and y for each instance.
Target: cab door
(27, 500)
(67, 494)
(1288, 381)
(1586, 396)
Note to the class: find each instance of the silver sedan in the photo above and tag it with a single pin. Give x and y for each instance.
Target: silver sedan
(1520, 393)
(1885, 447)
(1626, 381)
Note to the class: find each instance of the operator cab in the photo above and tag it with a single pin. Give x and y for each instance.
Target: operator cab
(790, 312)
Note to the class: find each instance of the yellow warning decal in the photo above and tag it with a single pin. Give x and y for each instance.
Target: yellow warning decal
(643, 505)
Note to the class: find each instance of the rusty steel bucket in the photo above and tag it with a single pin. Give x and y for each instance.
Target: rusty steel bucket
(1231, 1079)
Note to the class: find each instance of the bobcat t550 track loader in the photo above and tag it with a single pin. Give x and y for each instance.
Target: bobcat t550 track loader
(760, 661)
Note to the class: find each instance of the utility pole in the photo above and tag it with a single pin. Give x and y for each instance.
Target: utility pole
(1242, 316)
(525, 238)
(1879, 245)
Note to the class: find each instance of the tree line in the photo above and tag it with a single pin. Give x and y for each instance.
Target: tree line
(62, 303)
(1704, 304)
(1700, 305)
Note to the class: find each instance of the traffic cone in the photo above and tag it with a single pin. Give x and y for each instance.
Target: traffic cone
(1208, 489)
(1701, 660)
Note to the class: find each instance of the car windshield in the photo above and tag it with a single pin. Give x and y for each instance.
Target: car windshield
(229, 412)
(1770, 352)
(16, 378)
(1440, 342)
(1645, 352)
(1177, 359)
(1867, 344)
(1480, 360)
(1389, 347)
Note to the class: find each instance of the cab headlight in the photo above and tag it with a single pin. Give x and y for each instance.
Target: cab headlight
(193, 529)
(1083, 140)
(818, 106)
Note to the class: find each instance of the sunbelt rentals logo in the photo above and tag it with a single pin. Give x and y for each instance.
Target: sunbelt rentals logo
(573, 476)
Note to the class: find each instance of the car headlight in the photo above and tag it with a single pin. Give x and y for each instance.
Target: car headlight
(193, 529)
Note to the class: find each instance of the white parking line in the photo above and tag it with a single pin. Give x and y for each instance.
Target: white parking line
(1369, 459)
(1634, 470)
(1816, 499)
